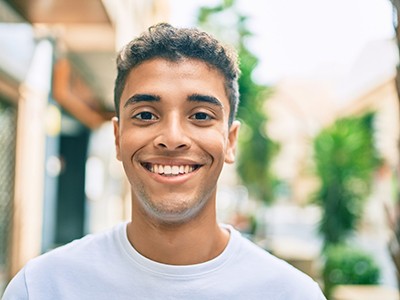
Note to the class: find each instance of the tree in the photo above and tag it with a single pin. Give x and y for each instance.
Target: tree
(256, 150)
(345, 159)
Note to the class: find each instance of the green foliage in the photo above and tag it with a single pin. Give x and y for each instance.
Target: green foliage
(348, 265)
(256, 150)
(345, 159)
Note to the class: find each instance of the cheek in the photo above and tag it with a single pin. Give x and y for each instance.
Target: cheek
(214, 142)
(131, 141)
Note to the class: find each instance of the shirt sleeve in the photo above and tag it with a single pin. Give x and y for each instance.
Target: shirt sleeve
(17, 289)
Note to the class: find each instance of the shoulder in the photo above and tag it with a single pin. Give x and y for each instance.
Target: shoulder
(73, 258)
(84, 248)
(16, 289)
(267, 270)
(69, 269)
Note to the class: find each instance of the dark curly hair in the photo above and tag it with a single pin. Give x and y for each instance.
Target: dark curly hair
(171, 43)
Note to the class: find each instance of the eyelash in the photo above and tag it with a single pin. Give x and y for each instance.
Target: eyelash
(139, 116)
(206, 115)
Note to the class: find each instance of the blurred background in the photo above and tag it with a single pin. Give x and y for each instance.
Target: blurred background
(316, 180)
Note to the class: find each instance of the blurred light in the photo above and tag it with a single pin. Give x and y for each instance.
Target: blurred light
(53, 120)
(53, 166)
(94, 178)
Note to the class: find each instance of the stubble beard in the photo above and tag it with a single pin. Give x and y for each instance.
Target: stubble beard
(166, 211)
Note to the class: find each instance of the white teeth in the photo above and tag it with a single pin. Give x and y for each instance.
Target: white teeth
(175, 170)
(167, 170)
(171, 170)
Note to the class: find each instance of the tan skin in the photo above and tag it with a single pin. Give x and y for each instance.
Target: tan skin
(174, 116)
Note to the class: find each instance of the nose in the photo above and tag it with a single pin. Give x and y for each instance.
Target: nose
(173, 135)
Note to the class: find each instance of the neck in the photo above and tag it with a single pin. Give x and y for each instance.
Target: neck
(188, 243)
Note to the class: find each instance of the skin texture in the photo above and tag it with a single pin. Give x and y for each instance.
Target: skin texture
(175, 114)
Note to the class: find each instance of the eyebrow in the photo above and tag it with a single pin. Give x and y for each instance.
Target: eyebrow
(154, 98)
(141, 98)
(205, 98)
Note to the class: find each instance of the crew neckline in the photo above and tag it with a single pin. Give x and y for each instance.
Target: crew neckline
(179, 271)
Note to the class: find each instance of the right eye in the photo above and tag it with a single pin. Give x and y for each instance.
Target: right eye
(145, 115)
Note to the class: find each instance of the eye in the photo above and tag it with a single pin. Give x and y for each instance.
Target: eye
(201, 116)
(145, 115)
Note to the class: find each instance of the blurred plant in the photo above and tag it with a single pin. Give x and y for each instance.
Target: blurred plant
(345, 159)
(396, 22)
(348, 265)
(394, 243)
(256, 150)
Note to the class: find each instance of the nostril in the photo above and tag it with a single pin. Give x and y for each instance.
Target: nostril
(172, 140)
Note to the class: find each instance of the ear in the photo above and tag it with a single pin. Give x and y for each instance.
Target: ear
(116, 136)
(230, 152)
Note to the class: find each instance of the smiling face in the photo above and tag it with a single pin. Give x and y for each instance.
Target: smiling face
(173, 138)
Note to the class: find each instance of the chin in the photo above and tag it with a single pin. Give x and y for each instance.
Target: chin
(175, 216)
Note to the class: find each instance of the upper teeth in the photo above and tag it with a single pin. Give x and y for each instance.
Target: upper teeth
(174, 170)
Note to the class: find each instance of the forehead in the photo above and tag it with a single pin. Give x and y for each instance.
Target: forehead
(186, 67)
(179, 78)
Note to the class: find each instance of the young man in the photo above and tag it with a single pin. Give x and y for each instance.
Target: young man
(176, 96)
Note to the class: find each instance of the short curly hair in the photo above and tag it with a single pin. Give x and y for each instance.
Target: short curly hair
(171, 43)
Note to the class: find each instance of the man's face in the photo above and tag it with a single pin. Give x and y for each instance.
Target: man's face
(173, 137)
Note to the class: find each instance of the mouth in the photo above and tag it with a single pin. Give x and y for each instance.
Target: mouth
(170, 170)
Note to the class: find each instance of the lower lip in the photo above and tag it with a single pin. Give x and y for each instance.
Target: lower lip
(172, 179)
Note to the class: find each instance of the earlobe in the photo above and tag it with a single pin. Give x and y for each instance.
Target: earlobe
(232, 142)
(116, 136)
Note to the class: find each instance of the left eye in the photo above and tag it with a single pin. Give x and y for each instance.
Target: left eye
(145, 116)
(201, 116)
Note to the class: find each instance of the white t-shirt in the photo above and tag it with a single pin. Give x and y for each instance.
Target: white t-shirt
(106, 266)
